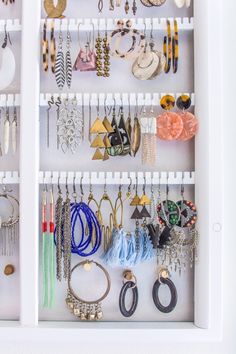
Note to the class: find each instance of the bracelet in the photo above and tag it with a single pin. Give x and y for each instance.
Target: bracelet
(87, 310)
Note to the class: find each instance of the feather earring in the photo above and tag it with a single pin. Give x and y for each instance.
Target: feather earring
(60, 64)
(68, 67)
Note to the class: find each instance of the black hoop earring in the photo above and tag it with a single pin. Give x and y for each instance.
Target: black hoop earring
(130, 283)
(164, 279)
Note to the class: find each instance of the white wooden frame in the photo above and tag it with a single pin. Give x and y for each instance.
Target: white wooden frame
(207, 325)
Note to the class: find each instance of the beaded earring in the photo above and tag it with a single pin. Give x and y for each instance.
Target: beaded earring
(103, 56)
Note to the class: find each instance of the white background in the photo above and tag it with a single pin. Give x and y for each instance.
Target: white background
(228, 345)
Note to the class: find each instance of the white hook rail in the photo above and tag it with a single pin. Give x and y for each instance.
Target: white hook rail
(11, 25)
(9, 177)
(9, 100)
(116, 178)
(88, 24)
(141, 99)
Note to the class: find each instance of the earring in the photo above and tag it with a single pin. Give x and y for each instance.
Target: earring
(55, 11)
(144, 201)
(60, 64)
(190, 122)
(45, 47)
(115, 138)
(130, 282)
(100, 6)
(164, 279)
(14, 131)
(53, 49)
(58, 231)
(98, 143)
(50, 103)
(167, 47)
(136, 140)
(124, 134)
(134, 7)
(68, 63)
(148, 130)
(6, 134)
(169, 124)
(127, 7)
(175, 48)
(66, 222)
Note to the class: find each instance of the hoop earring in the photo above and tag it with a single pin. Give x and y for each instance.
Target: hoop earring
(164, 279)
(167, 47)
(130, 282)
(175, 48)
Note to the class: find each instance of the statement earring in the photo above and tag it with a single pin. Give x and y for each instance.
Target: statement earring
(148, 129)
(190, 122)
(169, 124)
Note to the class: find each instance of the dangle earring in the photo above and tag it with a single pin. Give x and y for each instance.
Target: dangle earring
(134, 7)
(6, 133)
(99, 129)
(14, 131)
(144, 201)
(136, 140)
(48, 249)
(60, 63)
(45, 49)
(66, 222)
(53, 48)
(169, 124)
(115, 137)
(153, 225)
(68, 63)
(188, 219)
(167, 47)
(190, 122)
(128, 124)
(124, 134)
(58, 231)
(175, 48)
(9, 227)
(148, 129)
(50, 103)
(100, 6)
(129, 282)
(127, 7)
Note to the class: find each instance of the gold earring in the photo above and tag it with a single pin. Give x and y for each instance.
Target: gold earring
(55, 11)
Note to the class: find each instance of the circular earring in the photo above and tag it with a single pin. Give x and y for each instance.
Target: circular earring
(169, 124)
(130, 282)
(190, 122)
(164, 279)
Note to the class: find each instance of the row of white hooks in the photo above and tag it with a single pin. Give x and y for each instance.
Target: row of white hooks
(126, 99)
(10, 25)
(9, 177)
(117, 178)
(101, 178)
(88, 24)
(9, 100)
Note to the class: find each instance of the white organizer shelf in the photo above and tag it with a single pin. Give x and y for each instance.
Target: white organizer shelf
(207, 324)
